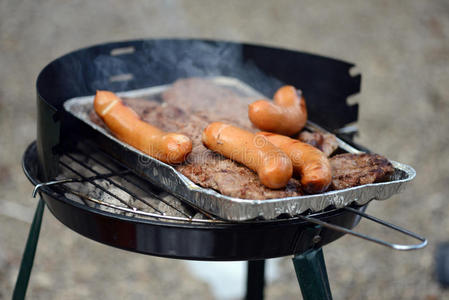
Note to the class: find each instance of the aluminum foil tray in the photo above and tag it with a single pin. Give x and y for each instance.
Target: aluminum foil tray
(230, 208)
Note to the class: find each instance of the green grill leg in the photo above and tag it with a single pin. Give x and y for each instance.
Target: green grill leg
(28, 255)
(255, 280)
(312, 275)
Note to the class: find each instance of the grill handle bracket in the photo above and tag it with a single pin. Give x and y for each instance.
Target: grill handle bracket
(400, 247)
(38, 186)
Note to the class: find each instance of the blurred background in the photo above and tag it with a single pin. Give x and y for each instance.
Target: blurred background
(400, 47)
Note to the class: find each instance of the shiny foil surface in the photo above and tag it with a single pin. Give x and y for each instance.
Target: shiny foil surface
(235, 209)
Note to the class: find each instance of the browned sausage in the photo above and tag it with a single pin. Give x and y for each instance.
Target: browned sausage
(309, 163)
(287, 115)
(273, 166)
(126, 125)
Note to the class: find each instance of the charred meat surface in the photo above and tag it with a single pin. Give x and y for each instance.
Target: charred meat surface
(349, 170)
(326, 142)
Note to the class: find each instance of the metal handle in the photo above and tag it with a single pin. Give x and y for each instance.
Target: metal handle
(400, 247)
(38, 186)
(67, 180)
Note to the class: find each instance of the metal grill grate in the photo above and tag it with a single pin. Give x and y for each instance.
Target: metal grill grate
(93, 177)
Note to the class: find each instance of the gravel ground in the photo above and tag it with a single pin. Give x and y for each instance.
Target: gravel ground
(400, 47)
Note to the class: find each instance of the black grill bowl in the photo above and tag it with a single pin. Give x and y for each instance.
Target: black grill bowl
(325, 82)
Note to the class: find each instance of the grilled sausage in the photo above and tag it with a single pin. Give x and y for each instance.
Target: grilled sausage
(309, 163)
(287, 115)
(126, 125)
(273, 166)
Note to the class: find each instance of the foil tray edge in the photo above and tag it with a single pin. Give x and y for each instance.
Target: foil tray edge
(236, 209)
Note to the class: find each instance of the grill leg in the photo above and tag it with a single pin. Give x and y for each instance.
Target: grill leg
(312, 275)
(26, 265)
(255, 280)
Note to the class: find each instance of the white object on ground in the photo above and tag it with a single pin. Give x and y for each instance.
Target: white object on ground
(227, 280)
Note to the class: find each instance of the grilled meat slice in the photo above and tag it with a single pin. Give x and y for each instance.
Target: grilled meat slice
(195, 95)
(326, 142)
(350, 170)
(233, 179)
